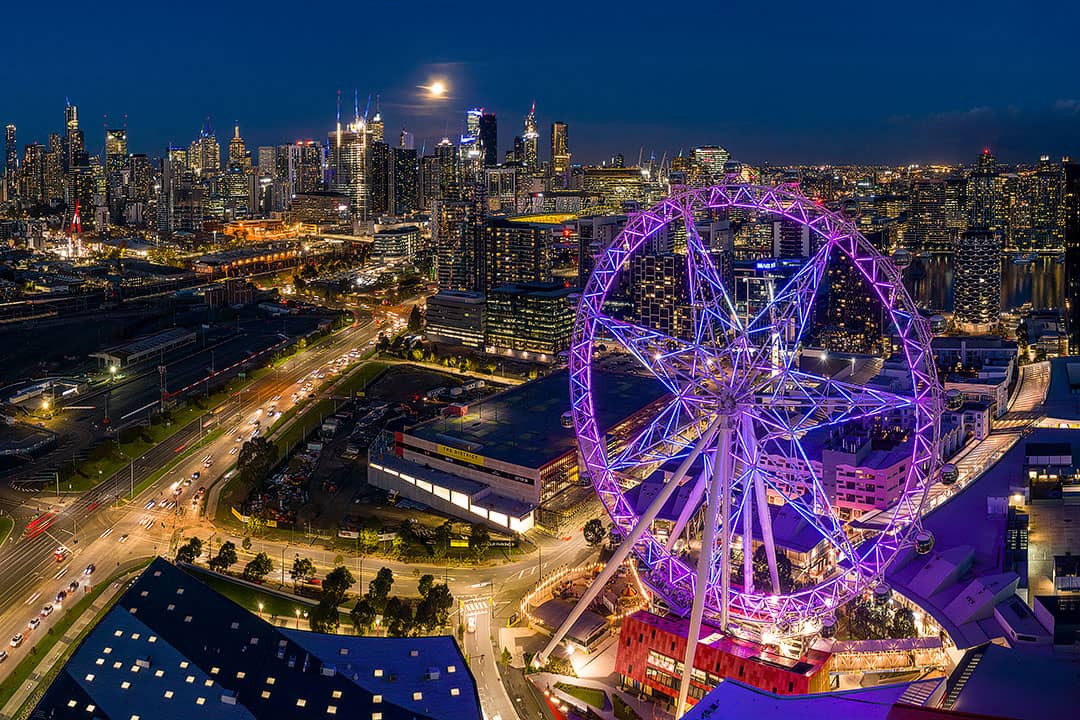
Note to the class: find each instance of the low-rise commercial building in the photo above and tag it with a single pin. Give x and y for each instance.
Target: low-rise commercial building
(456, 317)
(530, 321)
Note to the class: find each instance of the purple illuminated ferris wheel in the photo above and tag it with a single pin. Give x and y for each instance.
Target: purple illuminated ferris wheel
(730, 440)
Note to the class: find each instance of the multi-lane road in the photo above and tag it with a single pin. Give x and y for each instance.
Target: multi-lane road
(105, 526)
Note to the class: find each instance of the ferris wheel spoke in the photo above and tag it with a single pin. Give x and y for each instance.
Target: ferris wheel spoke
(668, 436)
(800, 485)
(708, 295)
(778, 328)
(672, 361)
(799, 401)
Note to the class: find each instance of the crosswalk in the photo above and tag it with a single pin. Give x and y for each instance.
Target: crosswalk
(474, 606)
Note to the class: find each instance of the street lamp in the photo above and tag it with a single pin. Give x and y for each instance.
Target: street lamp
(112, 373)
(260, 608)
(298, 619)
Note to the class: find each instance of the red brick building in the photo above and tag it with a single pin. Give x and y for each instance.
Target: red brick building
(652, 648)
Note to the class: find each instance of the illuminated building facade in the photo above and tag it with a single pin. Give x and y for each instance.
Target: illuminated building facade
(560, 148)
(530, 320)
(530, 139)
(488, 135)
(516, 252)
(977, 280)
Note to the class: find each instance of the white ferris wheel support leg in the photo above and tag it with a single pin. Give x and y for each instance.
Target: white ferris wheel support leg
(719, 499)
(748, 536)
(749, 441)
(627, 545)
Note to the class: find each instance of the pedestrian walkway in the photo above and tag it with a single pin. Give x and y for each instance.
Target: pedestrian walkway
(42, 675)
(545, 681)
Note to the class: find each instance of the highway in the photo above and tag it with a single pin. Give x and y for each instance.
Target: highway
(92, 524)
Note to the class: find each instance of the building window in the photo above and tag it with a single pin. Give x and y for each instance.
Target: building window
(331, 709)
(418, 695)
(168, 694)
(454, 692)
(374, 698)
(301, 702)
(265, 695)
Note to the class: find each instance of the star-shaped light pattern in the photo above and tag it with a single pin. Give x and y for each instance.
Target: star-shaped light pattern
(747, 369)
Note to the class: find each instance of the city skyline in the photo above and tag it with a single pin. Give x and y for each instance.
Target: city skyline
(878, 88)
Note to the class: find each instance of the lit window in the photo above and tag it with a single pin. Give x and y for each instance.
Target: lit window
(375, 699)
(200, 701)
(91, 708)
(301, 702)
(72, 703)
(159, 673)
(183, 663)
(376, 716)
(208, 683)
(125, 685)
(265, 694)
(99, 661)
(187, 618)
(179, 591)
(168, 694)
(331, 709)
(134, 717)
(378, 672)
(241, 675)
(270, 680)
(107, 650)
(118, 633)
(152, 638)
(135, 636)
(90, 677)
(418, 695)
(116, 665)
(455, 692)
(337, 693)
(215, 670)
(134, 668)
(451, 668)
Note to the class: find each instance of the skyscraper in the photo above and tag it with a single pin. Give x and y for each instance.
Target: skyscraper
(977, 280)
(982, 193)
(11, 161)
(73, 137)
(238, 155)
(489, 139)
(204, 154)
(1071, 210)
(711, 160)
(404, 181)
(116, 151)
(560, 148)
(530, 138)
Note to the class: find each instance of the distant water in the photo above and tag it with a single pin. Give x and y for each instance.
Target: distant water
(1041, 283)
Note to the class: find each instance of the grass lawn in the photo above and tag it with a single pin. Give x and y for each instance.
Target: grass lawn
(622, 710)
(590, 696)
(6, 525)
(28, 664)
(250, 598)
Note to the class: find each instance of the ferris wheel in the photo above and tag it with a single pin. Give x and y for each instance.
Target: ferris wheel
(739, 411)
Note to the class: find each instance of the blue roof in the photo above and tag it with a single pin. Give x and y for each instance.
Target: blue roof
(175, 641)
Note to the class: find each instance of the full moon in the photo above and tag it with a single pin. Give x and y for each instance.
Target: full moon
(437, 88)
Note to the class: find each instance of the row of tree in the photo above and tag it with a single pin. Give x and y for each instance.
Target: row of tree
(403, 616)
(400, 616)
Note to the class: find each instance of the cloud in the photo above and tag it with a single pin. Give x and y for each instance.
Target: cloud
(1069, 105)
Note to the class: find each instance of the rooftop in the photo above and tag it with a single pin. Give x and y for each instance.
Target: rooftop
(172, 648)
(523, 425)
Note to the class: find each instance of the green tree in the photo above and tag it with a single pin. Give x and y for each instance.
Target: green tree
(302, 569)
(189, 551)
(424, 585)
(762, 578)
(505, 657)
(337, 583)
(398, 617)
(225, 558)
(903, 624)
(256, 458)
(259, 567)
(479, 540)
(368, 541)
(363, 614)
(379, 588)
(594, 532)
(324, 618)
(246, 542)
(416, 319)
(442, 536)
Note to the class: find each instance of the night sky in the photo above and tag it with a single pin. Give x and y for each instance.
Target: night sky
(795, 82)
